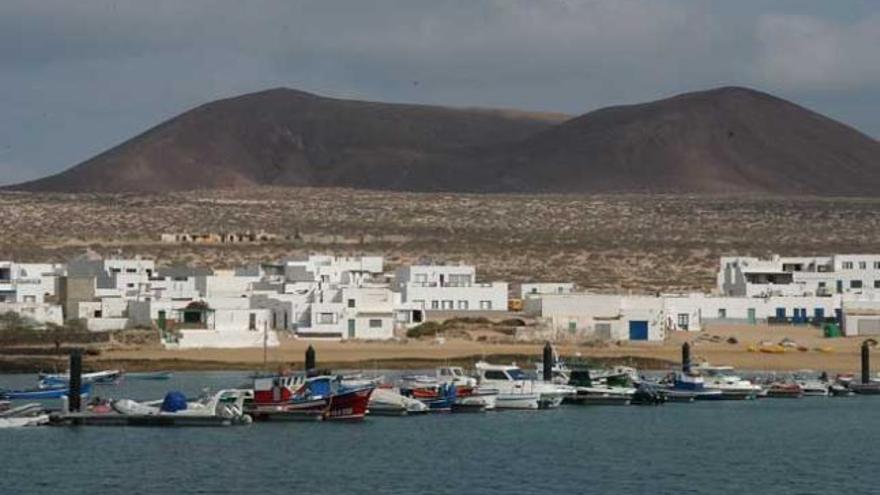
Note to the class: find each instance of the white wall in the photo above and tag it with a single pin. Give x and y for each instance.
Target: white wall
(469, 298)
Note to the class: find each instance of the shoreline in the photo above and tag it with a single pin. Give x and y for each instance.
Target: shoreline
(732, 345)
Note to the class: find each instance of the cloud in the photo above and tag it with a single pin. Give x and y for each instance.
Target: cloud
(78, 77)
(804, 52)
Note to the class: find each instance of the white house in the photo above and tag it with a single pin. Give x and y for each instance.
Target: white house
(352, 313)
(799, 276)
(28, 282)
(334, 270)
(607, 317)
(541, 288)
(861, 318)
(449, 288)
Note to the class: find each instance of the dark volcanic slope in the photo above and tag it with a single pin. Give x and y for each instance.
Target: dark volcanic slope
(288, 137)
(722, 140)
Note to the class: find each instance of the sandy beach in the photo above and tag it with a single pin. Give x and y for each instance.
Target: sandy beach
(816, 353)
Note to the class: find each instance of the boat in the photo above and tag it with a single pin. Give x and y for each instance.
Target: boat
(684, 386)
(297, 397)
(587, 392)
(438, 397)
(149, 375)
(813, 387)
(42, 393)
(732, 387)
(784, 390)
(513, 390)
(469, 397)
(648, 395)
(26, 415)
(224, 408)
(106, 377)
(386, 402)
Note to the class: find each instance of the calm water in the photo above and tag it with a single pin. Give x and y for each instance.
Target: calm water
(814, 445)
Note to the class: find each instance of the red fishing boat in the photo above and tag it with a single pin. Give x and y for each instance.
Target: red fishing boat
(294, 398)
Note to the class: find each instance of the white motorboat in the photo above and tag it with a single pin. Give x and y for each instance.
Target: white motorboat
(731, 386)
(813, 387)
(512, 383)
(31, 414)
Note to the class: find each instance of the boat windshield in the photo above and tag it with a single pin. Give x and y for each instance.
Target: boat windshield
(517, 374)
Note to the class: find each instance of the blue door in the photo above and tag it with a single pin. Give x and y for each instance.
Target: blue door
(819, 315)
(638, 330)
(780, 313)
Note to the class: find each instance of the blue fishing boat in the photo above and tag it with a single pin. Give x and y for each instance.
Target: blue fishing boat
(149, 375)
(41, 393)
(107, 377)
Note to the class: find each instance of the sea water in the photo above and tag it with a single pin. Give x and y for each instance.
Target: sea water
(811, 445)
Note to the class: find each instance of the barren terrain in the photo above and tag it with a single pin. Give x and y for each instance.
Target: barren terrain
(603, 242)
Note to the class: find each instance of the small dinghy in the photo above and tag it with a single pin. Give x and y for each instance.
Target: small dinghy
(27, 415)
(42, 393)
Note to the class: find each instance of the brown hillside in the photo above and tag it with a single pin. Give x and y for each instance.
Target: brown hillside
(718, 141)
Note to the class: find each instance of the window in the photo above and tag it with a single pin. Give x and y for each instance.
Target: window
(847, 265)
(683, 321)
(722, 313)
(495, 375)
(325, 318)
(877, 284)
(863, 265)
(448, 305)
(419, 302)
(130, 286)
(351, 303)
(485, 304)
(421, 278)
(30, 299)
(462, 305)
(877, 265)
(115, 270)
(821, 285)
(376, 323)
(435, 304)
(130, 270)
(855, 284)
(98, 313)
(252, 321)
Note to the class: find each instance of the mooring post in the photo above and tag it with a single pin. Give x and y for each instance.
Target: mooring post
(310, 362)
(548, 362)
(686, 357)
(74, 389)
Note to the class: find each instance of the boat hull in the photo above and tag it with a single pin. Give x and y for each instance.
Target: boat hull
(351, 405)
(42, 394)
(517, 401)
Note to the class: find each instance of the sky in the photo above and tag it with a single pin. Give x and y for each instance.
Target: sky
(77, 77)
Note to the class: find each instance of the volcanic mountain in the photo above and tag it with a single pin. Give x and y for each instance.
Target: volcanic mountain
(717, 141)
